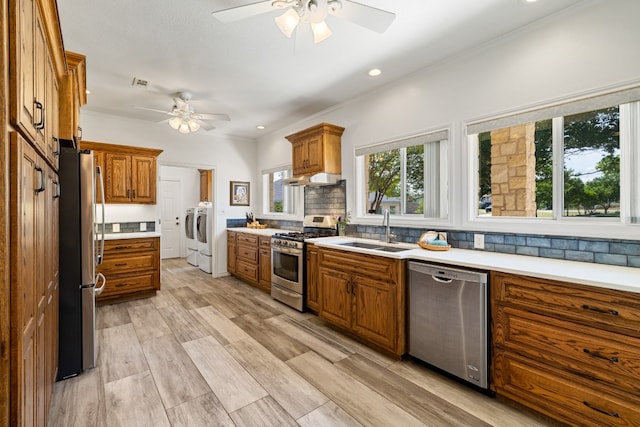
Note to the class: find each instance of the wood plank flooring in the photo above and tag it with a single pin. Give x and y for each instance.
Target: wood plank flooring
(218, 352)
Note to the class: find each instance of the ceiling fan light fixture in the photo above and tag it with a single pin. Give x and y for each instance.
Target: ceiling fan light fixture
(175, 122)
(321, 31)
(184, 128)
(193, 125)
(287, 22)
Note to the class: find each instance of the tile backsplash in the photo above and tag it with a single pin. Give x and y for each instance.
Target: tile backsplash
(129, 227)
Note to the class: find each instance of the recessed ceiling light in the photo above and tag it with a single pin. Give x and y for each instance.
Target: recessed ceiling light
(375, 72)
(260, 127)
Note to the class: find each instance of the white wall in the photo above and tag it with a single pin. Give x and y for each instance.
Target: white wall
(592, 46)
(234, 159)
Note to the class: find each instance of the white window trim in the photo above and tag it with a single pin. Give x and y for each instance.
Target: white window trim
(563, 226)
(408, 220)
(264, 205)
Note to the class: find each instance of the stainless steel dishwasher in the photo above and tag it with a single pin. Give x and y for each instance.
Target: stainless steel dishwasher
(448, 320)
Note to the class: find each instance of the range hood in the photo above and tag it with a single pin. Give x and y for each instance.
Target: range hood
(316, 180)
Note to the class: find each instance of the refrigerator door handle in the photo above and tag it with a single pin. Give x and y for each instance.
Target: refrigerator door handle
(99, 173)
(97, 291)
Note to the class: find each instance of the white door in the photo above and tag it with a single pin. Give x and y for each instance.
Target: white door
(171, 219)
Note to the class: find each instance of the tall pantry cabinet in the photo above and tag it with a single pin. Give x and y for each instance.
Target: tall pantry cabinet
(34, 67)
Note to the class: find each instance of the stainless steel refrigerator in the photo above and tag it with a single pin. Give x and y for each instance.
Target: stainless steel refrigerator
(81, 251)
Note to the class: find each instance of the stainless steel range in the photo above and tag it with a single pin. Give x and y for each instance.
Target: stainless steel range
(288, 266)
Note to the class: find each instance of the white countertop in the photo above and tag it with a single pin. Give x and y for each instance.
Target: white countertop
(258, 231)
(138, 235)
(600, 275)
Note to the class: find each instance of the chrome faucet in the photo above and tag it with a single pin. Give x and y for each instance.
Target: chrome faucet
(389, 238)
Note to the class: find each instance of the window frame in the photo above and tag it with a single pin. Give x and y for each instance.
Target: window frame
(266, 203)
(628, 99)
(439, 135)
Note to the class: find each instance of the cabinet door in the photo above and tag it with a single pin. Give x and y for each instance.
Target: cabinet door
(374, 315)
(143, 179)
(299, 150)
(265, 269)
(51, 134)
(40, 95)
(99, 161)
(118, 178)
(336, 297)
(22, 69)
(313, 290)
(23, 293)
(231, 252)
(315, 157)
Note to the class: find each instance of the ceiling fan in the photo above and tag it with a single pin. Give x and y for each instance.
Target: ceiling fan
(314, 12)
(184, 118)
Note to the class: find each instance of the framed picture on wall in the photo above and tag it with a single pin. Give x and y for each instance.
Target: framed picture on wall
(239, 193)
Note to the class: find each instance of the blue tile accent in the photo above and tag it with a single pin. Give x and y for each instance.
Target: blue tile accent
(611, 259)
(527, 250)
(551, 253)
(594, 246)
(624, 248)
(506, 249)
(494, 238)
(579, 256)
(633, 261)
(511, 239)
(540, 242)
(571, 244)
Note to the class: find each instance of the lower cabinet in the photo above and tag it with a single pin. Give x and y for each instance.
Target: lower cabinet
(364, 294)
(568, 351)
(313, 294)
(249, 258)
(132, 269)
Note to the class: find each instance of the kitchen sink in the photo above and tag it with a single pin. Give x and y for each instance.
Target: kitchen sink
(375, 247)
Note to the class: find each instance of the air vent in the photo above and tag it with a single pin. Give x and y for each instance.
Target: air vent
(140, 83)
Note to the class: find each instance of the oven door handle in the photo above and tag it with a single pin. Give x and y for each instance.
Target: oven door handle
(287, 251)
(291, 294)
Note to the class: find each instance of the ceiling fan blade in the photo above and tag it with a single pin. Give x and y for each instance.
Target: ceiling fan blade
(209, 116)
(206, 126)
(375, 19)
(153, 109)
(241, 12)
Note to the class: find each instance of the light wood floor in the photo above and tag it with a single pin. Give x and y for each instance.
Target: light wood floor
(217, 352)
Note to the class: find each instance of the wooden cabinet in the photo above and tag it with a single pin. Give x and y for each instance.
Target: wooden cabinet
(206, 185)
(131, 267)
(317, 149)
(73, 95)
(264, 262)
(364, 294)
(231, 252)
(313, 291)
(569, 351)
(129, 172)
(34, 281)
(249, 258)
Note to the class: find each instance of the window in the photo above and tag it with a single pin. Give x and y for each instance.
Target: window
(277, 197)
(408, 176)
(567, 162)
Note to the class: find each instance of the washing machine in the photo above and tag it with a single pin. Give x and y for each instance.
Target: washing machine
(190, 233)
(204, 236)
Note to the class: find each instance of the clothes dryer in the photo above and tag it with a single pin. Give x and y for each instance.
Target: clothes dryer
(204, 236)
(190, 233)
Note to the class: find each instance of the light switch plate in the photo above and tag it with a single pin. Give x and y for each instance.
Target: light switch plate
(143, 226)
(116, 227)
(478, 241)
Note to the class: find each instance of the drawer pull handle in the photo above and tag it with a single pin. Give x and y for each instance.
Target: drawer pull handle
(602, 411)
(600, 310)
(121, 285)
(121, 264)
(600, 356)
(122, 247)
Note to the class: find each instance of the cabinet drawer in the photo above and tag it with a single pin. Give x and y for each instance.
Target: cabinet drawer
(590, 306)
(248, 254)
(126, 285)
(568, 398)
(134, 262)
(247, 271)
(120, 245)
(265, 242)
(248, 239)
(376, 267)
(607, 358)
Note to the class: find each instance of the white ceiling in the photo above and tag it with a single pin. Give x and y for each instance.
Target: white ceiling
(249, 70)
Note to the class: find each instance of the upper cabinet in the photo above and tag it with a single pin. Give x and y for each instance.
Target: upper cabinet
(206, 185)
(129, 172)
(317, 150)
(73, 95)
(37, 65)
